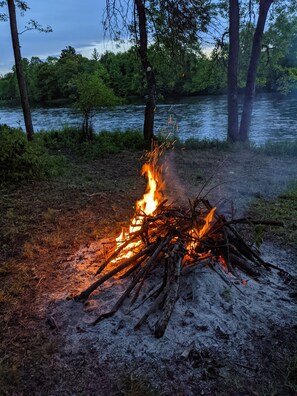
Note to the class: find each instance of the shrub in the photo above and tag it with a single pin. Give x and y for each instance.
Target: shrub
(20, 159)
(65, 138)
(103, 143)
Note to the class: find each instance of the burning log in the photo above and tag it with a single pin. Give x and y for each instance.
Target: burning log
(175, 240)
(170, 239)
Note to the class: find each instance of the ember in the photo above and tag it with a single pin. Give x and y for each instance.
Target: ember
(174, 240)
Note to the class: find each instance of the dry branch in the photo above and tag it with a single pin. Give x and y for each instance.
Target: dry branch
(178, 240)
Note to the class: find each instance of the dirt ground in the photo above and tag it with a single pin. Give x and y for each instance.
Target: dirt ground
(63, 219)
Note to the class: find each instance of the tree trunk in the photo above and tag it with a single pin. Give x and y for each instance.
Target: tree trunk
(252, 71)
(233, 127)
(149, 115)
(19, 70)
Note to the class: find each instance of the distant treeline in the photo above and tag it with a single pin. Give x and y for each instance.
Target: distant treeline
(188, 72)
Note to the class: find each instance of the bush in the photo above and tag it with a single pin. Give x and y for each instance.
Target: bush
(21, 160)
(66, 138)
(106, 143)
(103, 143)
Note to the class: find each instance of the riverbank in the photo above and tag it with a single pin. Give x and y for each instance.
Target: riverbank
(202, 117)
(45, 222)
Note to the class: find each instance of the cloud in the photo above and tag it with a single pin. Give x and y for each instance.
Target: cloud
(74, 22)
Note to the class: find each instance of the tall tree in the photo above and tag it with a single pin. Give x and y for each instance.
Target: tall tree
(19, 70)
(233, 127)
(170, 23)
(142, 44)
(264, 7)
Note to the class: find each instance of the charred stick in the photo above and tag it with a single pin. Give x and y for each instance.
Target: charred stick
(83, 296)
(160, 207)
(239, 249)
(164, 275)
(148, 265)
(121, 300)
(155, 292)
(197, 264)
(244, 265)
(246, 250)
(250, 253)
(118, 250)
(152, 308)
(173, 286)
(223, 277)
(229, 265)
(134, 267)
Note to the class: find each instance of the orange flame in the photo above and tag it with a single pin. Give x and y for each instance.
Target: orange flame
(208, 220)
(194, 232)
(145, 206)
(149, 203)
(150, 199)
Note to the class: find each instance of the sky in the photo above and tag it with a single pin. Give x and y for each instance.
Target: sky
(74, 22)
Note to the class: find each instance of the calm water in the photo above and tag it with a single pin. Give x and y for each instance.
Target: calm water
(274, 118)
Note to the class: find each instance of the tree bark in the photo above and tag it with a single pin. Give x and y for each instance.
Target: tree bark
(19, 70)
(233, 127)
(252, 71)
(149, 115)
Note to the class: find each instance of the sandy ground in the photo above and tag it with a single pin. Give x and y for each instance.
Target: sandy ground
(231, 339)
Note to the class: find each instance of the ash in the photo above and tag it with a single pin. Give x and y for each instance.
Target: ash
(217, 330)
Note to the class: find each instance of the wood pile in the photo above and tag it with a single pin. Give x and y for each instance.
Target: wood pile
(173, 241)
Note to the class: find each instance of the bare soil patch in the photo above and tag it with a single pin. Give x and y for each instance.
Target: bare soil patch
(220, 341)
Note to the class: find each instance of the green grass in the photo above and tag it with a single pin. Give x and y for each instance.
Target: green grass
(284, 208)
(286, 148)
(136, 386)
(196, 144)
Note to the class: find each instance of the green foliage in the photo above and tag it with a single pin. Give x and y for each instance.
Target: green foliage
(102, 144)
(21, 160)
(67, 138)
(179, 70)
(124, 73)
(92, 93)
(278, 67)
(106, 143)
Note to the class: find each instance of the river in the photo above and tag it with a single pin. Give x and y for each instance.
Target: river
(274, 118)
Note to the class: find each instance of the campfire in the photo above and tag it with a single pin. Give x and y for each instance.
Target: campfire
(171, 241)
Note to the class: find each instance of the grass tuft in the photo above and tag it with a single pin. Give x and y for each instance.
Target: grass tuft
(285, 148)
(135, 386)
(283, 207)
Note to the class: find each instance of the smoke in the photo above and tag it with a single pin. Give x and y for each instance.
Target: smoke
(174, 190)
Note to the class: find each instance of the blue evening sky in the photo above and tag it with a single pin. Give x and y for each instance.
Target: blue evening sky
(74, 22)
